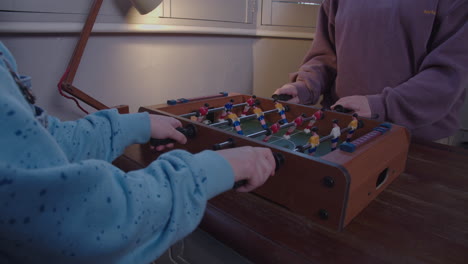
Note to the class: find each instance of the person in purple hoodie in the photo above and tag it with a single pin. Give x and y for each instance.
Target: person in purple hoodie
(395, 60)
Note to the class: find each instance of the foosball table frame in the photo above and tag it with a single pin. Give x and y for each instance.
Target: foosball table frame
(329, 190)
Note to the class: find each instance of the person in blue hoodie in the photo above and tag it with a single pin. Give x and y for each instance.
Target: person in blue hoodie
(62, 201)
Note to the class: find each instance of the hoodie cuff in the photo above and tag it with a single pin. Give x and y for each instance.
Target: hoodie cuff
(303, 93)
(136, 128)
(218, 171)
(377, 106)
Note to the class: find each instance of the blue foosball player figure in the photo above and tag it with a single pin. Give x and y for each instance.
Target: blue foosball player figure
(227, 109)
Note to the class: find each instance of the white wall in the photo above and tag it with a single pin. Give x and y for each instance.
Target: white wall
(141, 70)
(137, 70)
(124, 63)
(273, 60)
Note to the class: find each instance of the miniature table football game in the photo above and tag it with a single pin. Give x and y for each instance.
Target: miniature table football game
(330, 165)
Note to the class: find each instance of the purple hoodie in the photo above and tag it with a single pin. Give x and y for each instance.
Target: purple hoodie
(409, 57)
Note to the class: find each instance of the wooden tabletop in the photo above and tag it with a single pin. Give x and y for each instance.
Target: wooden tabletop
(422, 217)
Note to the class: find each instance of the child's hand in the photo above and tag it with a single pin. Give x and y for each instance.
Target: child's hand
(358, 103)
(254, 165)
(163, 127)
(290, 90)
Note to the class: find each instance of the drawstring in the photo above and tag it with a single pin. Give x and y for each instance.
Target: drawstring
(23, 88)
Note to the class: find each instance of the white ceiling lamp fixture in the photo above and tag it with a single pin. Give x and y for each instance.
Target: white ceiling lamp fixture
(145, 6)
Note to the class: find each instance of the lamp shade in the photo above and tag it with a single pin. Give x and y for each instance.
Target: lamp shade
(145, 6)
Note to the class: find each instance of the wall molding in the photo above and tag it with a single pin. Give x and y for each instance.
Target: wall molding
(69, 27)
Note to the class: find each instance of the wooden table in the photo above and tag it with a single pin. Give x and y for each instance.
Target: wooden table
(422, 217)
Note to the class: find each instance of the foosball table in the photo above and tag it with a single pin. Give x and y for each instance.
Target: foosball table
(330, 165)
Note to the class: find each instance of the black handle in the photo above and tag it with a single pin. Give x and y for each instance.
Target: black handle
(282, 97)
(279, 161)
(230, 143)
(190, 131)
(341, 109)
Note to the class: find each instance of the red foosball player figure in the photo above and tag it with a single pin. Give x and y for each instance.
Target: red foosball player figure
(335, 133)
(203, 111)
(352, 126)
(297, 122)
(235, 122)
(281, 111)
(227, 108)
(318, 115)
(260, 116)
(273, 130)
(314, 141)
(249, 103)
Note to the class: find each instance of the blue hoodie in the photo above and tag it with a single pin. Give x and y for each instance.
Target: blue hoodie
(62, 201)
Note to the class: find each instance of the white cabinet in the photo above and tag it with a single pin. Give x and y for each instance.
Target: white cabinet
(273, 18)
(290, 13)
(62, 7)
(234, 11)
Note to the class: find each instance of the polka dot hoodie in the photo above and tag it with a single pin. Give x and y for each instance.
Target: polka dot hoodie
(62, 201)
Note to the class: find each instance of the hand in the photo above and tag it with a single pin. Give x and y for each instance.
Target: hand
(289, 89)
(163, 127)
(252, 164)
(358, 103)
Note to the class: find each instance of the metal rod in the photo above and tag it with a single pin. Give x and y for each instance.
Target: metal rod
(243, 118)
(263, 132)
(322, 139)
(212, 110)
(325, 138)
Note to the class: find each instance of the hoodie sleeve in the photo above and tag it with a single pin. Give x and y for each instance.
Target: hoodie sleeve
(437, 91)
(106, 133)
(89, 211)
(92, 212)
(318, 71)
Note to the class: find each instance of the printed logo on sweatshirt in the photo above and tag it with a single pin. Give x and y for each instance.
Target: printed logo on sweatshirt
(429, 12)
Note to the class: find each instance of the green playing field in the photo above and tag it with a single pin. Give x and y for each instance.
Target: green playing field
(298, 137)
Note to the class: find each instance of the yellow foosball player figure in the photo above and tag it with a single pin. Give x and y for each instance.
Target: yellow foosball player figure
(281, 111)
(260, 115)
(314, 141)
(352, 126)
(235, 122)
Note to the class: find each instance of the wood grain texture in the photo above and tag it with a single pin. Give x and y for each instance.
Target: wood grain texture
(298, 185)
(420, 217)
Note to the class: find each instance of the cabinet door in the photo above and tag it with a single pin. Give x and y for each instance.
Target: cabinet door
(64, 6)
(237, 11)
(54, 7)
(291, 13)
